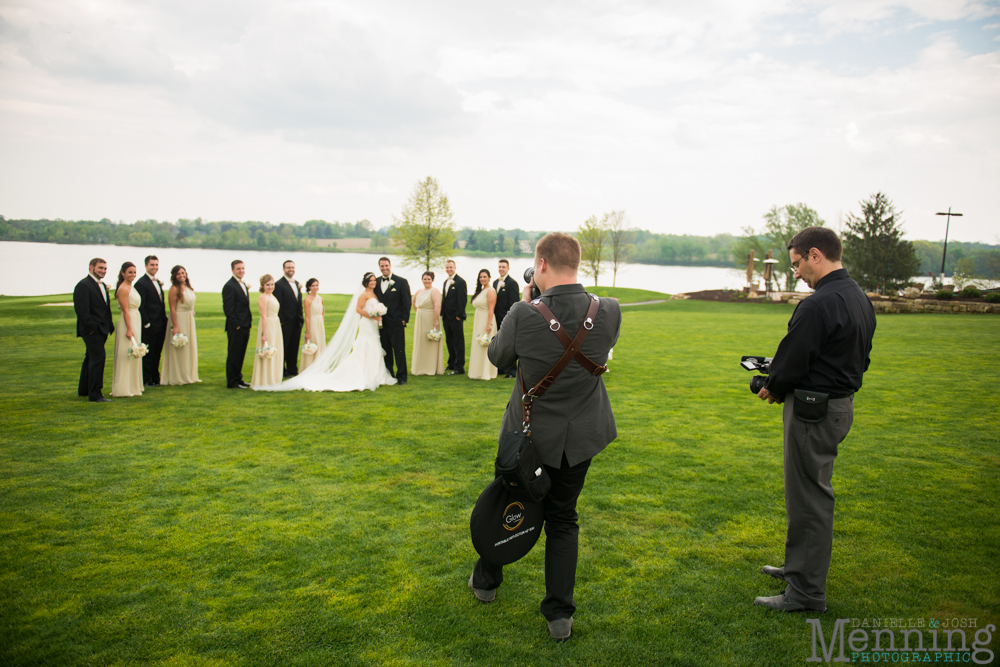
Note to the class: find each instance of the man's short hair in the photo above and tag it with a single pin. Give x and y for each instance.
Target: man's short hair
(559, 250)
(94, 262)
(449, 261)
(232, 265)
(823, 239)
(287, 261)
(149, 258)
(504, 261)
(385, 259)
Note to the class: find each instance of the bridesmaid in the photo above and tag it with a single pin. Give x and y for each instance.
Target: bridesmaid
(268, 371)
(180, 364)
(484, 301)
(315, 310)
(127, 371)
(428, 355)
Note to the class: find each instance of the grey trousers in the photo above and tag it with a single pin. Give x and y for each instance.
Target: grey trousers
(810, 449)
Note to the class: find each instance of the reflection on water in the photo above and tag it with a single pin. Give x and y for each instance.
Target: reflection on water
(33, 269)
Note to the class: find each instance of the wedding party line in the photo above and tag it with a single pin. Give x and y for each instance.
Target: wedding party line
(367, 350)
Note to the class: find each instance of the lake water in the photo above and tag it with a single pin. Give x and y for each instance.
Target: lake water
(35, 269)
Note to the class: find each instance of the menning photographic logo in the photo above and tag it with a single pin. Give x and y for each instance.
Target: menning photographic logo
(513, 516)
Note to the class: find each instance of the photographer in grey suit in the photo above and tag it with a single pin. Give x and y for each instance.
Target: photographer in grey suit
(572, 422)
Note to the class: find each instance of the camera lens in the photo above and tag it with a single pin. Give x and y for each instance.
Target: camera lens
(529, 273)
(757, 383)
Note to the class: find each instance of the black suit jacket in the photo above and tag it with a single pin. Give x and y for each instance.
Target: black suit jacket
(397, 300)
(507, 295)
(236, 306)
(574, 415)
(152, 309)
(93, 312)
(289, 301)
(453, 301)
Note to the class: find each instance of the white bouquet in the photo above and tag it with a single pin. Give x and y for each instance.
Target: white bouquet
(179, 340)
(483, 340)
(377, 310)
(267, 352)
(309, 348)
(434, 335)
(137, 351)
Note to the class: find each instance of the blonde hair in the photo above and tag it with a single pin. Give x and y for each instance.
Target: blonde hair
(559, 250)
(265, 279)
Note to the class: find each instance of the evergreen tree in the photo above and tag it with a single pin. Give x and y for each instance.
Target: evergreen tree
(874, 250)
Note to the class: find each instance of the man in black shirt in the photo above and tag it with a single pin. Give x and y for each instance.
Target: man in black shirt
(815, 372)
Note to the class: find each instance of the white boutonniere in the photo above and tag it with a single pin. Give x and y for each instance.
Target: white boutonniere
(391, 283)
(107, 288)
(159, 281)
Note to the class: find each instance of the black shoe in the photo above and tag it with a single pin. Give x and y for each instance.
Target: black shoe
(100, 400)
(243, 385)
(510, 375)
(776, 572)
(401, 383)
(150, 384)
(781, 602)
(457, 373)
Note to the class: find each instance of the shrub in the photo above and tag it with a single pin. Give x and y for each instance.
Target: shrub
(970, 292)
(943, 294)
(992, 297)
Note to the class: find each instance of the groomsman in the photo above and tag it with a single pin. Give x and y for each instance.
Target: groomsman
(154, 320)
(455, 296)
(288, 292)
(239, 319)
(92, 304)
(394, 292)
(507, 295)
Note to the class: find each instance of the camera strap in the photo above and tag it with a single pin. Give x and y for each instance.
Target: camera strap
(572, 351)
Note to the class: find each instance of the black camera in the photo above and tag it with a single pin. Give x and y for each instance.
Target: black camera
(529, 273)
(760, 364)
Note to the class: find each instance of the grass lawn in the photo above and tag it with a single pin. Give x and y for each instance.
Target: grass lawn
(203, 526)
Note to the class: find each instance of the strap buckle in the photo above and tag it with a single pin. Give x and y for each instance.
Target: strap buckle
(554, 325)
(588, 324)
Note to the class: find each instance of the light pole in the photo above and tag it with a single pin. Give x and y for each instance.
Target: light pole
(946, 228)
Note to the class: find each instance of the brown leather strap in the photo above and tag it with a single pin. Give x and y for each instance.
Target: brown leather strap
(572, 351)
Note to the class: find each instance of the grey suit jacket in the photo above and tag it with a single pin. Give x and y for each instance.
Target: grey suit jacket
(573, 416)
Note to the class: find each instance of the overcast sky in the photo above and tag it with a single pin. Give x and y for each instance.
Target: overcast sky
(693, 117)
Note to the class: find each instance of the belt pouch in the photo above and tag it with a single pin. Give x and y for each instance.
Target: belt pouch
(810, 406)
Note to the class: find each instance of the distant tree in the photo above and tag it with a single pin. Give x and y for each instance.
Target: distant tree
(425, 230)
(780, 225)
(620, 237)
(593, 238)
(874, 250)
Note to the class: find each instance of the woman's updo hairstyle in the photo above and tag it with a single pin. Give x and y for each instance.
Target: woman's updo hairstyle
(309, 283)
(368, 276)
(265, 279)
(428, 273)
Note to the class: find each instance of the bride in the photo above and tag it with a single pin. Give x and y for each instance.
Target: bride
(354, 359)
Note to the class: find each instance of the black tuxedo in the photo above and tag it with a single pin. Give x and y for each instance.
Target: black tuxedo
(507, 295)
(239, 319)
(393, 332)
(453, 302)
(92, 303)
(290, 315)
(154, 327)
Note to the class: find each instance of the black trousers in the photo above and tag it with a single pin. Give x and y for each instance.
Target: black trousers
(237, 352)
(454, 337)
(92, 371)
(393, 337)
(291, 332)
(153, 338)
(562, 539)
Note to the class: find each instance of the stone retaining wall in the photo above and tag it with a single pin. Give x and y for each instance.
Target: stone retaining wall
(902, 305)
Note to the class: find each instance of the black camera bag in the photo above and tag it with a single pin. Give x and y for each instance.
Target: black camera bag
(810, 406)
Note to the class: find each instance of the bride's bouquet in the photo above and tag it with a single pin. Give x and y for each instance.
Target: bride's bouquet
(267, 352)
(137, 351)
(309, 348)
(434, 335)
(483, 339)
(377, 310)
(179, 340)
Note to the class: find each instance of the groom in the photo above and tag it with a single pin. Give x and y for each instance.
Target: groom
(394, 292)
(92, 304)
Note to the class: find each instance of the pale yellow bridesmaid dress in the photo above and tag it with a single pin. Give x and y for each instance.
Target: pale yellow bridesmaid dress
(428, 355)
(269, 371)
(126, 371)
(317, 332)
(180, 364)
(480, 367)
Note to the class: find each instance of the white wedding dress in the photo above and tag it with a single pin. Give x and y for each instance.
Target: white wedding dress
(353, 360)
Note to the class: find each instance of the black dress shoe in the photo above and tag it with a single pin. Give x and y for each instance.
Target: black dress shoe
(776, 572)
(100, 400)
(401, 383)
(243, 385)
(150, 384)
(457, 373)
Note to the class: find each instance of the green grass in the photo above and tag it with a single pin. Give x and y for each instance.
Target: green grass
(203, 526)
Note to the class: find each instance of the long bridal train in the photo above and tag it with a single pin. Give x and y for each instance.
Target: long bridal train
(352, 361)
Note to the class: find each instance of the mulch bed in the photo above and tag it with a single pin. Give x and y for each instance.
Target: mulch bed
(732, 295)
